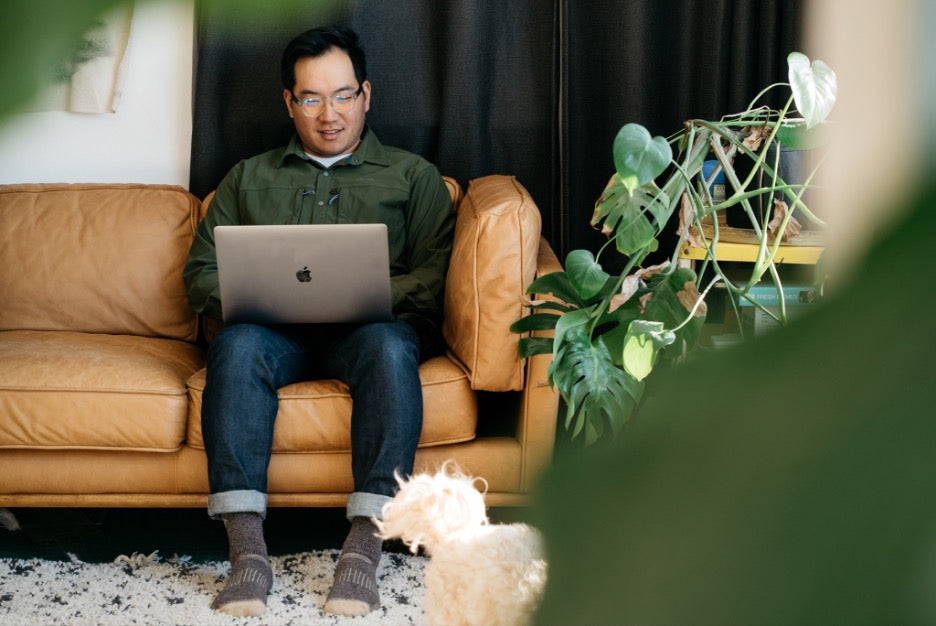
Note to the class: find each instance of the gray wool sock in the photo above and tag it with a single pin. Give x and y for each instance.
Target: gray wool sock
(251, 578)
(354, 592)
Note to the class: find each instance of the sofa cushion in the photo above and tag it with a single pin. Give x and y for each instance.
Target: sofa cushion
(315, 416)
(96, 258)
(61, 389)
(493, 261)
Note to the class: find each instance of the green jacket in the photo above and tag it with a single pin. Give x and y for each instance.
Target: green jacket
(376, 184)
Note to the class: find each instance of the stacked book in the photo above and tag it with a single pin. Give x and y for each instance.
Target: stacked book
(796, 301)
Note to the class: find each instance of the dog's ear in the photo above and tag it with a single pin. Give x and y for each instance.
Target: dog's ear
(428, 509)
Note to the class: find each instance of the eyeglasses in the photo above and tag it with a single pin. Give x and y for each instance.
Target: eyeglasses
(313, 106)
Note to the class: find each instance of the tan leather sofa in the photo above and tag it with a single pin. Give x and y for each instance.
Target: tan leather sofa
(101, 370)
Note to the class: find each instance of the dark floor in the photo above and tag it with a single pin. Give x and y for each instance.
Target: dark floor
(101, 535)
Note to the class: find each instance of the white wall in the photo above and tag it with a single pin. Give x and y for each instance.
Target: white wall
(148, 139)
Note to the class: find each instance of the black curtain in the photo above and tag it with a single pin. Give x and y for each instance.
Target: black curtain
(532, 88)
(659, 63)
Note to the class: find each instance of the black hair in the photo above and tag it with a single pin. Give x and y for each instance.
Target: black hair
(318, 41)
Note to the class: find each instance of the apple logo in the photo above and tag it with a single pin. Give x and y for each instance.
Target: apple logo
(304, 275)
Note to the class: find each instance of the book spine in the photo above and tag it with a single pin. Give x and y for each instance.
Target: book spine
(768, 296)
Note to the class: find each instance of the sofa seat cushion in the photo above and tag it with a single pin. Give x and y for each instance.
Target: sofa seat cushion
(63, 389)
(315, 416)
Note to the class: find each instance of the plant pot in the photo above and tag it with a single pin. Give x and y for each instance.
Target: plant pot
(795, 166)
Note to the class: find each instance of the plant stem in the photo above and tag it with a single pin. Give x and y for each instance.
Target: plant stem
(763, 91)
(698, 303)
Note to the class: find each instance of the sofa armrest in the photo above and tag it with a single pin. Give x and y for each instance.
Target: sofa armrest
(539, 407)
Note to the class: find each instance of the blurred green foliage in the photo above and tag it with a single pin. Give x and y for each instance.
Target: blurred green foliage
(37, 36)
(788, 480)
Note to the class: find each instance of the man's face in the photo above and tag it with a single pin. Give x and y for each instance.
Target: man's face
(323, 78)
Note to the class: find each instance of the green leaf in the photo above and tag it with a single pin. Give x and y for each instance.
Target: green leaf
(642, 346)
(557, 284)
(573, 321)
(599, 395)
(666, 307)
(535, 321)
(639, 355)
(624, 214)
(638, 158)
(614, 336)
(585, 273)
(531, 346)
(814, 87)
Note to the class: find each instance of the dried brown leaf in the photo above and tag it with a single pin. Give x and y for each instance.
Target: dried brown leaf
(688, 296)
(617, 300)
(653, 270)
(780, 211)
(756, 136)
(528, 301)
(644, 299)
(686, 223)
(629, 287)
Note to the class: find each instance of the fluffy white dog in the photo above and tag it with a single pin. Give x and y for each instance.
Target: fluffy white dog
(478, 573)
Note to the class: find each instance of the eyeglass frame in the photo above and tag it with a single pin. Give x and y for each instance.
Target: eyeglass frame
(326, 101)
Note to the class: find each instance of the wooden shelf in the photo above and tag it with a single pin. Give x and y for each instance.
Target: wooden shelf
(741, 244)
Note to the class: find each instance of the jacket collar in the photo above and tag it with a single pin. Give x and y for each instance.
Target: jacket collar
(370, 150)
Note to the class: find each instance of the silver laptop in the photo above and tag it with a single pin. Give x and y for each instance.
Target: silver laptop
(301, 274)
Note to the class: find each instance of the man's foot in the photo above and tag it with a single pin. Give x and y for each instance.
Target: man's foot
(354, 592)
(246, 589)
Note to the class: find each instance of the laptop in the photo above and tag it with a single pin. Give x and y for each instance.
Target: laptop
(302, 274)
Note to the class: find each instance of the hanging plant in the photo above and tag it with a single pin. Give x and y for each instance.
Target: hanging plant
(612, 332)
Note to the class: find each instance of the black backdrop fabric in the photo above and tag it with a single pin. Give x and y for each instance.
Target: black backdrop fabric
(536, 89)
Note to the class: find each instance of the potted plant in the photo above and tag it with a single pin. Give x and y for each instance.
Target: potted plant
(611, 331)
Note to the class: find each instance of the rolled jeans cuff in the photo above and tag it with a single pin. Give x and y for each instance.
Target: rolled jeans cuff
(241, 501)
(362, 504)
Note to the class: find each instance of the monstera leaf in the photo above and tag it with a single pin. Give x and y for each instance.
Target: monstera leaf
(622, 214)
(814, 87)
(585, 273)
(599, 395)
(645, 339)
(638, 157)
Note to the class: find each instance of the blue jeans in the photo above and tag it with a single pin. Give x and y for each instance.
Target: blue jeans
(247, 363)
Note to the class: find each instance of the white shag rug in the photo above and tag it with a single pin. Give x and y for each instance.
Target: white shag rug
(148, 589)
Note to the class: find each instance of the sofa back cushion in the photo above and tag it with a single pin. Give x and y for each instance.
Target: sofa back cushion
(96, 258)
(493, 261)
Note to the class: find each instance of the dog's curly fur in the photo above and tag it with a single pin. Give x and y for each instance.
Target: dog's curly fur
(478, 573)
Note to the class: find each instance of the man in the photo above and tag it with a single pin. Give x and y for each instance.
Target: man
(333, 171)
